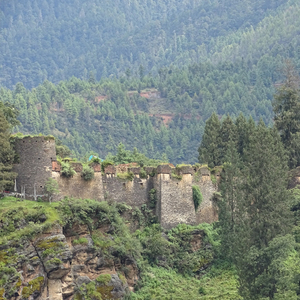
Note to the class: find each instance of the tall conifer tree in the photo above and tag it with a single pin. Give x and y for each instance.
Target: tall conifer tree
(209, 150)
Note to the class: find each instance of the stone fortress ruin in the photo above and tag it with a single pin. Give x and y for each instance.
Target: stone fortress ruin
(173, 186)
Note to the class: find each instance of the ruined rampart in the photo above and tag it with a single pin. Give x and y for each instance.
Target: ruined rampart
(128, 184)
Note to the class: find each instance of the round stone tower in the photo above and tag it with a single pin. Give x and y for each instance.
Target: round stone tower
(35, 165)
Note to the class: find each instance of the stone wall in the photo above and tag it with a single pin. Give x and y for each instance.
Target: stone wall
(173, 185)
(134, 193)
(35, 165)
(77, 187)
(176, 201)
(207, 211)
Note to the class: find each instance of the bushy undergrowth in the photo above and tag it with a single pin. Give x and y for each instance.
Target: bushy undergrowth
(87, 172)
(169, 262)
(25, 218)
(167, 284)
(67, 170)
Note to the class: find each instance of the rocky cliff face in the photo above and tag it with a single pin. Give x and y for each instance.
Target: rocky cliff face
(66, 264)
(81, 249)
(63, 264)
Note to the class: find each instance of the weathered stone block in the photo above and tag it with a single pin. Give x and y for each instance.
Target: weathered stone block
(110, 170)
(204, 171)
(164, 169)
(135, 171)
(185, 170)
(96, 167)
(77, 167)
(56, 167)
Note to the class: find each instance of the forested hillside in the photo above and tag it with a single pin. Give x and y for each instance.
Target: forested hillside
(57, 39)
(170, 67)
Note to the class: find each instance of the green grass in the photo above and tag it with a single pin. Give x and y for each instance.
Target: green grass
(161, 284)
(18, 209)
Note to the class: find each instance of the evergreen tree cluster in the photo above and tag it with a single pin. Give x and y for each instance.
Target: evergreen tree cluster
(56, 40)
(8, 119)
(258, 215)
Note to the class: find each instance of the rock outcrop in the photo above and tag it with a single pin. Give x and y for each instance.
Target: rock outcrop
(65, 264)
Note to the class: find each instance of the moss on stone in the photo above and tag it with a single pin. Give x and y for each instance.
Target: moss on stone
(19, 283)
(105, 292)
(55, 261)
(126, 175)
(2, 291)
(33, 285)
(49, 243)
(104, 279)
(4, 257)
(176, 176)
(123, 279)
(81, 240)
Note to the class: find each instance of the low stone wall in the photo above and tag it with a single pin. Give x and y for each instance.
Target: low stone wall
(77, 187)
(173, 191)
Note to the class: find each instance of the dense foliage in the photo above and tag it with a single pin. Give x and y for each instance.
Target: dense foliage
(161, 256)
(7, 155)
(55, 40)
(216, 66)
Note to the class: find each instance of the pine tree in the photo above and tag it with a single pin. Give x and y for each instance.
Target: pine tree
(227, 134)
(6, 154)
(286, 108)
(263, 215)
(209, 150)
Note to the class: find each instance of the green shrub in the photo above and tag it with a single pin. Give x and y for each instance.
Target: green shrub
(153, 198)
(87, 173)
(202, 290)
(55, 261)
(143, 173)
(80, 241)
(51, 187)
(96, 160)
(67, 170)
(176, 176)
(106, 163)
(197, 196)
(127, 176)
(213, 179)
(104, 279)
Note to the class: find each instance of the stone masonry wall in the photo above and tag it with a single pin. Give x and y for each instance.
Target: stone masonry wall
(134, 193)
(207, 211)
(173, 185)
(175, 198)
(77, 187)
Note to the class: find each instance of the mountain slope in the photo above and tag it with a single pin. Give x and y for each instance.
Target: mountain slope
(57, 39)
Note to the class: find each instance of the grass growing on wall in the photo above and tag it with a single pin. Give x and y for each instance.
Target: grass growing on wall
(197, 196)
